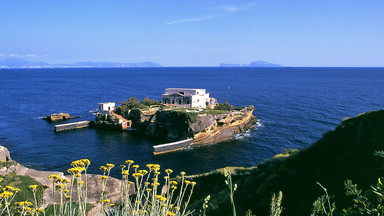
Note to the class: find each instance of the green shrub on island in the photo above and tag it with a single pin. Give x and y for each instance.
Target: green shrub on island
(134, 104)
(224, 106)
(150, 102)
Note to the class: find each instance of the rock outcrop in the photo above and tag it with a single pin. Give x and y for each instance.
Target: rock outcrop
(4, 154)
(59, 117)
(214, 129)
(173, 125)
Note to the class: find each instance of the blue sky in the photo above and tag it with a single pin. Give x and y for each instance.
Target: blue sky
(195, 33)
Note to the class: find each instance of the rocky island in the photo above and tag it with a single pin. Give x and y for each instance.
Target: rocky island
(183, 114)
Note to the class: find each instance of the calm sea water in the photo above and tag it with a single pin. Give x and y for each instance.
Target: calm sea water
(295, 107)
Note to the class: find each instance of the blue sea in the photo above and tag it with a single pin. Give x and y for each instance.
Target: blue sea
(295, 106)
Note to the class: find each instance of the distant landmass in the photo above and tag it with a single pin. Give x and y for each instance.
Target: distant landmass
(21, 63)
(252, 64)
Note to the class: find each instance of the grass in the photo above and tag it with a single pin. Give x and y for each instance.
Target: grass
(23, 182)
(7, 163)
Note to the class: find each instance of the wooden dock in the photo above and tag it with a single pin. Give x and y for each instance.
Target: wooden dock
(71, 126)
(170, 147)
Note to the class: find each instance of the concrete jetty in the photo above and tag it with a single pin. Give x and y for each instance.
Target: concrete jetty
(71, 126)
(170, 147)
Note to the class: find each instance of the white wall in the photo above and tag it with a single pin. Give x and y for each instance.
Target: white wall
(103, 107)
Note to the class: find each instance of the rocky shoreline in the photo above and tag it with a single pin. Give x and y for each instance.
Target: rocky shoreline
(166, 124)
(94, 182)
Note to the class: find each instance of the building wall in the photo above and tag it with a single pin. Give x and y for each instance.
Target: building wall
(105, 107)
(189, 97)
(200, 101)
(187, 92)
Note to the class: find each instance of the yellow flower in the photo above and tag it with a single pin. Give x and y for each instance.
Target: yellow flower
(111, 205)
(182, 173)
(169, 171)
(33, 187)
(106, 201)
(125, 172)
(148, 189)
(1, 179)
(78, 175)
(157, 184)
(187, 182)
(68, 197)
(129, 162)
(60, 186)
(53, 177)
(10, 188)
(110, 166)
(6, 194)
(170, 214)
(135, 166)
(86, 162)
(103, 177)
(173, 182)
(81, 183)
(143, 172)
(65, 191)
(173, 187)
(40, 210)
(150, 166)
(137, 175)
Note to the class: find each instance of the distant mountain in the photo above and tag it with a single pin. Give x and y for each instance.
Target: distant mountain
(252, 64)
(20, 63)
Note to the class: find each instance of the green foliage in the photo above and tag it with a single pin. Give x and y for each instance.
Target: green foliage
(232, 188)
(224, 106)
(150, 102)
(344, 153)
(7, 163)
(276, 207)
(49, 209)
(323, 205)
(369, 202)
(182, 118)
(134, 104)
(214, 111)
(23, 183)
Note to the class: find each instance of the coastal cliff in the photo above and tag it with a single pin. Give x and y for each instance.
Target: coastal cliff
(347, 152)
(169, 125)
(223, 127)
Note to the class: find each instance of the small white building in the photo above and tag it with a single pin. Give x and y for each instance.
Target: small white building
(106, 107)
(185, 97)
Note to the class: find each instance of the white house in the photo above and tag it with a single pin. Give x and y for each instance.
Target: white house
(185, 97)
(106, 107)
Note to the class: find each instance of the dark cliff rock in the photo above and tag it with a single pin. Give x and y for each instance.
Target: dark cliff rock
(170, 125)
(345, 153)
